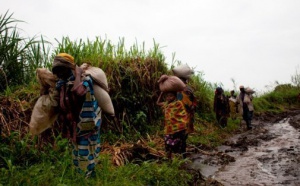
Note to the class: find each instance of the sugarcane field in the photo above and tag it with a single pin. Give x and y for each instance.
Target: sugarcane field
(94, 112)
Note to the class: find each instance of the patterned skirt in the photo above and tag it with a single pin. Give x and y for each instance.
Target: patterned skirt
(86, 151)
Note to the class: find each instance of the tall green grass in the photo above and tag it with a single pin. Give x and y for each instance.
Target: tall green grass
(132, 76)
(25, 165)
(19, 56)
(283, 97)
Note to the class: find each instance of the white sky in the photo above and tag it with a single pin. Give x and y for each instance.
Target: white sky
(254, 42)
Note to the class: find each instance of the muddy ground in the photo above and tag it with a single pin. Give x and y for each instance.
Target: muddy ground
(269, 154)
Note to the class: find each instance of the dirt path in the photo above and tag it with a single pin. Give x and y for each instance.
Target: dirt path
(267, 155)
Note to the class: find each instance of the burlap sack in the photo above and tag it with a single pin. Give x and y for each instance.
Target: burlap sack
(183, 71)
(170, 83)
(104, 101)
(44, 114)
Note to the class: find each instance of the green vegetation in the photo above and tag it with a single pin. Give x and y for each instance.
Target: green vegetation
(283, 96)
(132, 76)
(22, 164)
(19, 57)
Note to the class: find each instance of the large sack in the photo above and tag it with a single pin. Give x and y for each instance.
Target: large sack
(46, 79)
(44, 114)
(170, 83)
(249, 90)
(97, 75)
(104, 101)
(183, 71)
(100, 87)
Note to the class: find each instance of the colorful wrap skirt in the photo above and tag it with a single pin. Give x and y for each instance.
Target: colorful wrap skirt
(85, 152)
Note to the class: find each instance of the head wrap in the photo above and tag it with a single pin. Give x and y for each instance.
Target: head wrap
(241, 86)
(65, 60)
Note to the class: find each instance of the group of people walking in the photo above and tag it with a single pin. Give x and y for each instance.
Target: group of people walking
(232, 106)
(81, 115)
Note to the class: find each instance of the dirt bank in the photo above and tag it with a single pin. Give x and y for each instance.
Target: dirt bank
(267, 155)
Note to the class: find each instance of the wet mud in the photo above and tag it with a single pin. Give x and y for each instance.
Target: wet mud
(269, 154)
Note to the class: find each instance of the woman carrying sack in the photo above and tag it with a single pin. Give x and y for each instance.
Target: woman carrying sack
(79, 113)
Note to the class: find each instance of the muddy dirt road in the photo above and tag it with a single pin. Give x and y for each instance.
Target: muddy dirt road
(267, 155)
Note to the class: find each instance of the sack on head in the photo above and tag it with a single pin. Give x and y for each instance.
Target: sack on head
(183, 71)
(249, 90)
(170, 83)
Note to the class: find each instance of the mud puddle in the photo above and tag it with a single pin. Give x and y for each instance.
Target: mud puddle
(267, 155)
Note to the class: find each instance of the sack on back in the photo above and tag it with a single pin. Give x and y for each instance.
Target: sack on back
(97, 75)
(44, 113)
(100, 87)
(104, 101)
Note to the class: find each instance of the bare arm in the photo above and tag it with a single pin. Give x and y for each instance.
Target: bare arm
(159, 101)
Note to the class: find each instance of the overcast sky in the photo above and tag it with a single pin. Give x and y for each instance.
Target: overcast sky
(254, 42)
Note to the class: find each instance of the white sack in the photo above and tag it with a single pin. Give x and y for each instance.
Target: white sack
(103, 98)
(44, 112)
(249, 90)
(170, 83)
(183, 71)
(43, 115)
(97, 74)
